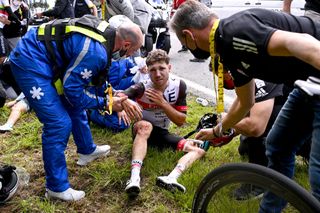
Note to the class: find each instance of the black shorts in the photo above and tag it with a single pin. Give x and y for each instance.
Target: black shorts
(162, 138)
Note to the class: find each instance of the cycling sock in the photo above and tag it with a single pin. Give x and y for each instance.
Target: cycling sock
(135, 168)
(9, 124)
(177, 171)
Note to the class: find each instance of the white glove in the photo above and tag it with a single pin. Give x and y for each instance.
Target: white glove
(24, 22)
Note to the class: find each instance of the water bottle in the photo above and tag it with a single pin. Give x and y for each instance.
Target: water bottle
(204, 102)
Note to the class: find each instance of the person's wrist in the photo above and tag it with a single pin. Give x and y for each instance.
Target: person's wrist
(214, 132)
(163, 103)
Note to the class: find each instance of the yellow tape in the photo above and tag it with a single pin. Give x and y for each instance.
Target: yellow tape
(109, 92)
(219, 94)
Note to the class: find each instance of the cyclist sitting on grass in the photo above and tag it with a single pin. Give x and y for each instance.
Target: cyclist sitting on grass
(163, 99)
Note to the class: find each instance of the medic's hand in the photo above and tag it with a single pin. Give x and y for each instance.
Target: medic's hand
(205, 134)
(132, 109)
(117, 103)
(218, 142)
(123, 117)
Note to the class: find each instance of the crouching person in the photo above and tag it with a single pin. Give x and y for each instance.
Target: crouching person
(163, 100)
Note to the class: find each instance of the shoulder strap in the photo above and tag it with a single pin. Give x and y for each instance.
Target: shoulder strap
(87, 25)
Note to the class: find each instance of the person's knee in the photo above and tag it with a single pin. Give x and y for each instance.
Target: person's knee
(143, 128)
(19, 108)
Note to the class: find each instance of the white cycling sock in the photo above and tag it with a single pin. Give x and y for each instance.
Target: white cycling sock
(135, 169)
(177, 171)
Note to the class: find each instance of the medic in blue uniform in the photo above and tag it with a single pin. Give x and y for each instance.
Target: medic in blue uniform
(84, 58)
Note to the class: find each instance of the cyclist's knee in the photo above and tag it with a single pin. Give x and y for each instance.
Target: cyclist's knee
(143, 128)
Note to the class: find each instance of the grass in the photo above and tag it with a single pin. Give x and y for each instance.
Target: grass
(104, 180)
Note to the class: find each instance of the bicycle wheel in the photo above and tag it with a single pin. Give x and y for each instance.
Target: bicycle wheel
(215, 192)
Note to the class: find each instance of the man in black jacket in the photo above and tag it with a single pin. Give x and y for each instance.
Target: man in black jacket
(62, 9)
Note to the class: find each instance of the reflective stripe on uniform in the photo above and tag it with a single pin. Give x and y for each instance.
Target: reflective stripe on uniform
(69, 29)
(58, 84)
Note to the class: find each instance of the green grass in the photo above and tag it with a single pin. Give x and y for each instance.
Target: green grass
(104, 180)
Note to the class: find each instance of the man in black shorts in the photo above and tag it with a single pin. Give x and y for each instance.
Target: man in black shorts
(163, 99)
(271, 46)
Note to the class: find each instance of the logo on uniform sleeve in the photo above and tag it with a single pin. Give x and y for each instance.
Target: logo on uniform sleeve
(245, 65)
(244, 45)
(36, 93)
(86, 74)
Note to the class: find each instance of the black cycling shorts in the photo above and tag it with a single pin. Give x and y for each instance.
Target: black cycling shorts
(161, 138)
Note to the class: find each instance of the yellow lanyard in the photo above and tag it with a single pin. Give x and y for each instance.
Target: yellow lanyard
(109, 92)
(219, 96)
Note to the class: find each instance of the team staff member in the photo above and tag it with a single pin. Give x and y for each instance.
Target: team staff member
(84, 7)
(85, 60)
(271, 46)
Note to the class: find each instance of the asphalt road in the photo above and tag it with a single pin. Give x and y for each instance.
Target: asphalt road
(197, 76)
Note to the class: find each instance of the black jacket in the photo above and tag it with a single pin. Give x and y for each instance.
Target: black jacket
(62, 9)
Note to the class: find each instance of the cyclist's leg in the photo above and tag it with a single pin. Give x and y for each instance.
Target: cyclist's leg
(283, 140)
(314, 162)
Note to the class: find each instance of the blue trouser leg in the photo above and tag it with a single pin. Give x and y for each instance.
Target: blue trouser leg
(49, 109)
(291, 128)
(109, 121)
(80, 129)
(314, 162)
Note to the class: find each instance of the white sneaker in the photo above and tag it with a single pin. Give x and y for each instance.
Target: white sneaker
(98, 152)
(170, 184)
(5, 128)
(133, 187)
(67, 195)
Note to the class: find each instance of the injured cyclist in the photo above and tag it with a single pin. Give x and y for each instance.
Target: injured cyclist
(163, 99)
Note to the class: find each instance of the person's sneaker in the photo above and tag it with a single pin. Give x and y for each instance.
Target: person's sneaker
(248, 191)
(67, 195)
(133, 187)
(170, 184)
(183, 49)
(98, 152)
(5, 128)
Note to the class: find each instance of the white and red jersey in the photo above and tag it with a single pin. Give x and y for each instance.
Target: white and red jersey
(3, 12)
(175, 94)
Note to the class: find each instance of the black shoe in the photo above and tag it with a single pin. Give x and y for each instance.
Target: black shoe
(197, 60)
(183, 49)
(248, 191)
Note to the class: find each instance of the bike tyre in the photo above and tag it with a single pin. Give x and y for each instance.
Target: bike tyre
(257, 175)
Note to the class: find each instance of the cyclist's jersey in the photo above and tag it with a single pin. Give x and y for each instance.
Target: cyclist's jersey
(175, 94)
(242, 40)
(3, 12)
